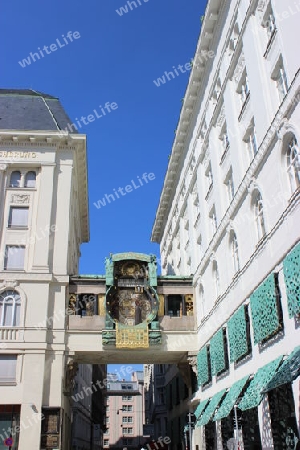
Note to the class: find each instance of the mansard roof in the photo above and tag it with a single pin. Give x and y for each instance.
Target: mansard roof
(27, 109)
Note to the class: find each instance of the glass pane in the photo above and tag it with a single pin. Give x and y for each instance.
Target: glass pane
(8, 309)
(16, 321)
(18, 217)
(15, 179)
(30, 180)
(8, 365)
(14, 257)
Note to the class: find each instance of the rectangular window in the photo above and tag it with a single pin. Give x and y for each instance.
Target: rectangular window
(18, 217)
(282, 84)
(127, 419)
(127, 430)
(14, 257)
(253, 143)
(128, 408)
(106, 442)
(126, 386)
(127, 397)
(8, 367)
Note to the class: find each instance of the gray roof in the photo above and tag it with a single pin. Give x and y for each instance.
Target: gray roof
(26, 109)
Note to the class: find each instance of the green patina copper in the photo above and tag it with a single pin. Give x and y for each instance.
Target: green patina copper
(203, 367)
(288, 371)
(230, 399)
(264, 310)
(200, 408)
(253, 395)
(291, 270)
(217, 353)
(237, 335)
(213, 404)
(132, 256)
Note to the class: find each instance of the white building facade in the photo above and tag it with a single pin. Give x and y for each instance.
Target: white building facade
(229, 214)
(44, 219)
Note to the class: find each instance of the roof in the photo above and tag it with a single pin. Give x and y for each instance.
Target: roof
(26, 109)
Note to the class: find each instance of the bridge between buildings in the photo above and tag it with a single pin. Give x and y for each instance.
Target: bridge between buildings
(130, 314)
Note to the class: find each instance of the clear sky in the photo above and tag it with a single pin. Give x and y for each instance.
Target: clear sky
(112, 58)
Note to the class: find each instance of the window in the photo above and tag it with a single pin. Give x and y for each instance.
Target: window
(127, 430)
(128, 408)
(106, 420)
(235, 252)
(127, 441)
(245, 90)
(106, 442)
(127, 419)
(30, 179)
(252, 143)
(209, 179)
(229, 185)
(281, 82)
(18, 217)
(259, 216)
(126, 386)
(15, 179)
(127, 397)
(213, 220)
(14, 257)
(293, 163)
(8, 367)
(216, 278)
(234, 38)
(10, 306)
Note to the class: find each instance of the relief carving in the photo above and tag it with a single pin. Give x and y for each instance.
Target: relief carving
(20, 199)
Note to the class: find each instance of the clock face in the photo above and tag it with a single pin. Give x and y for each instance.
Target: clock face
(130, 269)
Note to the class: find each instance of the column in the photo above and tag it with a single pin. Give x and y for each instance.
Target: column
(41, 234)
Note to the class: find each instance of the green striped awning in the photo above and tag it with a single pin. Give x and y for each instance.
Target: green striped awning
(288, 371)
(253, 395)
(209, 411)
(200, 408)
(230, 399)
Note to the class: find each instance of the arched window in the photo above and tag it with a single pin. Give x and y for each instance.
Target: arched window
(259, 215)
(216, 276)
(293, 163)
(10, 306)
(235, 251)
(202, 309)
(30, 179)
(15, 179)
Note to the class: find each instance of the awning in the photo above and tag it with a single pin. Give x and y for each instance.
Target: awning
(230, 399)
(253, 395)
(200, 408)
(209, 411)
(288, 371)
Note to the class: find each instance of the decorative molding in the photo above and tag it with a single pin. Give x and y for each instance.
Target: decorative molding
(20, 199)
(192, 360)
(261, 5)
(3, 167)
(9, 284)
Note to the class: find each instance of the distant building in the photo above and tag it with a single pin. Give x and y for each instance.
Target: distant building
(125, 413)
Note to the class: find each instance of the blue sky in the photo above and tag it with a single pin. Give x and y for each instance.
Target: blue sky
(115, 59)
